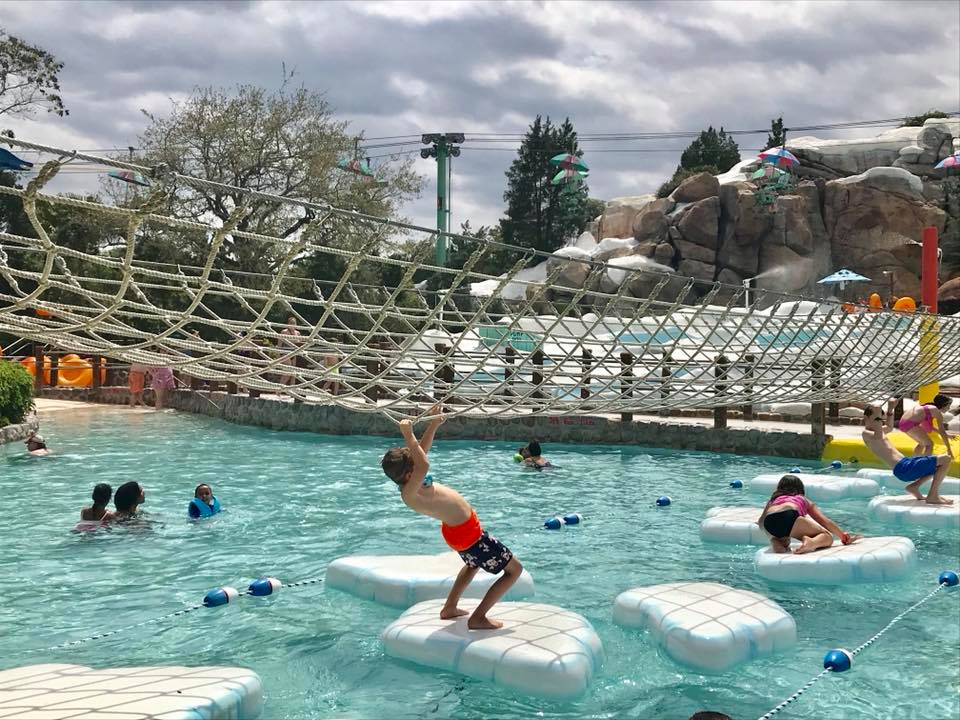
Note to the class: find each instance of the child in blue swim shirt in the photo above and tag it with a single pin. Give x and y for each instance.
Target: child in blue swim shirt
(204, 503)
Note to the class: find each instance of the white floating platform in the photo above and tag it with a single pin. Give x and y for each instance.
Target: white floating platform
(905, 510)
(709, 626)
(49, 692)
(733, 525)
(821, 488)
(870, 560)
(886, 478)
(404, 580)
(541, 650)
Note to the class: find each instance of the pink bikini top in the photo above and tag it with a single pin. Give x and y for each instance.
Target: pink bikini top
(926, 424)
(801, 502)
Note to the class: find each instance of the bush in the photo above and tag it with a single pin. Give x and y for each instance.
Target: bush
(681, 174)
(16, 393)
(918, 120)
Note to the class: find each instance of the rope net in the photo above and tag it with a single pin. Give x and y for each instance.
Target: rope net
(580, 337)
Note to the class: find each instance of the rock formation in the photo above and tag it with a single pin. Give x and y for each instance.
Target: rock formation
(858, 204)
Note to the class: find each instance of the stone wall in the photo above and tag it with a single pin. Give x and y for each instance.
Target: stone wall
(15, 433)
(334, 420)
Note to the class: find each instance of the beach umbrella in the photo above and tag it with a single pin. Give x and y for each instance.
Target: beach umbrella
(779, 156)
(130, 176)
(951, 161)
(569, 175)
(767, 171)
(569, 161)
(841, 278)
(9, 161)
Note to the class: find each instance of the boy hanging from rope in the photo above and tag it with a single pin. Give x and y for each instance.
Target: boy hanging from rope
(407, 467)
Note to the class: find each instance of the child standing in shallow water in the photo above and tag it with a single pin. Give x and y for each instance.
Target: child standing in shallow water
(460, 527)
(788, 514)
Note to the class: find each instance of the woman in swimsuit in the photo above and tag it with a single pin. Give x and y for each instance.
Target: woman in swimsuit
(918, 423)
(98, 511)
(789, 514)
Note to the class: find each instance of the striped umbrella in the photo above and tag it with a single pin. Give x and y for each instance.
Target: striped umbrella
(568, 175)
(951, 161)
(779, 156)
(134, 178)
(569, 161)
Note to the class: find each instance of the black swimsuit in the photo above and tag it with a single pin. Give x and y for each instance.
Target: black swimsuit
(780, 523)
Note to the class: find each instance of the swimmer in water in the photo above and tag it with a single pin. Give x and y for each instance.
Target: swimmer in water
(98, 511)
(127, 500)
(36, 445)
(204, 494)
(532, 456)
(789, 514)
(407, 467)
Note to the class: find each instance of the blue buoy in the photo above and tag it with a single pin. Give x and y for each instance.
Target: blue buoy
(736, 484)
(554, 523)
(838, 660)
(220, 596)
(836, 464)
(948, 578)
(264, 586)
(572, 519)
(427, 480)
(795, 470)
(663, 501)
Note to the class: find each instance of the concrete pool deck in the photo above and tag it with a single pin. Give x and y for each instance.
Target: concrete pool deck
(756, 437)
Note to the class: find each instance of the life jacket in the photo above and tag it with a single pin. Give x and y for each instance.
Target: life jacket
(204, 509)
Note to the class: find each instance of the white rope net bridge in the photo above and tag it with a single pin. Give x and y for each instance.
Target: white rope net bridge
(616, 340)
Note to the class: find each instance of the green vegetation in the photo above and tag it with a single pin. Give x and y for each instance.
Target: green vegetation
(16, 393)
(713, 151)
(29, 79)
(919, 120)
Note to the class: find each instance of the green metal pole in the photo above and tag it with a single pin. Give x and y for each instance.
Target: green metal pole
(442, 190)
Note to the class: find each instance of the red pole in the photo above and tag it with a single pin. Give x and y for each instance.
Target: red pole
(930, 271)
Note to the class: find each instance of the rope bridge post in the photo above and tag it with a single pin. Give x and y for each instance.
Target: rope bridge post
(818, 416)
(834, 407)
(721, 369)
(626, 382)
(747, 408)
(587, 361)
(97, 362)
(54, 369)
(38, 368)
(665, 375)
(537, 360)
(443, 373)
(509, 357)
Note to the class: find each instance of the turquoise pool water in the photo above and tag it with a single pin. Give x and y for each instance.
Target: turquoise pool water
(294, 501)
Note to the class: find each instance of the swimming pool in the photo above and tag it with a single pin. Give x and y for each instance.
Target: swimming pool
(293, 502)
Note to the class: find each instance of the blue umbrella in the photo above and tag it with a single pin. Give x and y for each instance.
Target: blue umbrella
(9, 161)
(842, 276)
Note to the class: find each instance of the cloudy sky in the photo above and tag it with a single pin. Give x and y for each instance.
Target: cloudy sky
(400, 68)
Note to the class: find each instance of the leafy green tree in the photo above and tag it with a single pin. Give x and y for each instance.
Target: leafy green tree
(284, 142)
(777, 135)
(918, 120)
(29, 78)
(540, 215)
(713, 148)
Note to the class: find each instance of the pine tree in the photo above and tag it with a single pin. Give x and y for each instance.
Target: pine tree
(541, 216)
(712, 148)
(777, 136)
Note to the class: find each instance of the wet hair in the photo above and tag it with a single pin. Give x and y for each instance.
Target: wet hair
(127, 496)
(524, 452)
(788, 485)
(101, 494)
(534, 448)
(709, 715)
(196, 490)
(397, 464)
(942, 402)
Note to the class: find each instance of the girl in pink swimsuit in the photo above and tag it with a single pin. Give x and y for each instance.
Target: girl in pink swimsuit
(918, 424)
(789, 514)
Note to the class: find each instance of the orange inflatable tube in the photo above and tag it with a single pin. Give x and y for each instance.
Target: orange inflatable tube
(905, 304)
(74, 371)
(30, 363)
